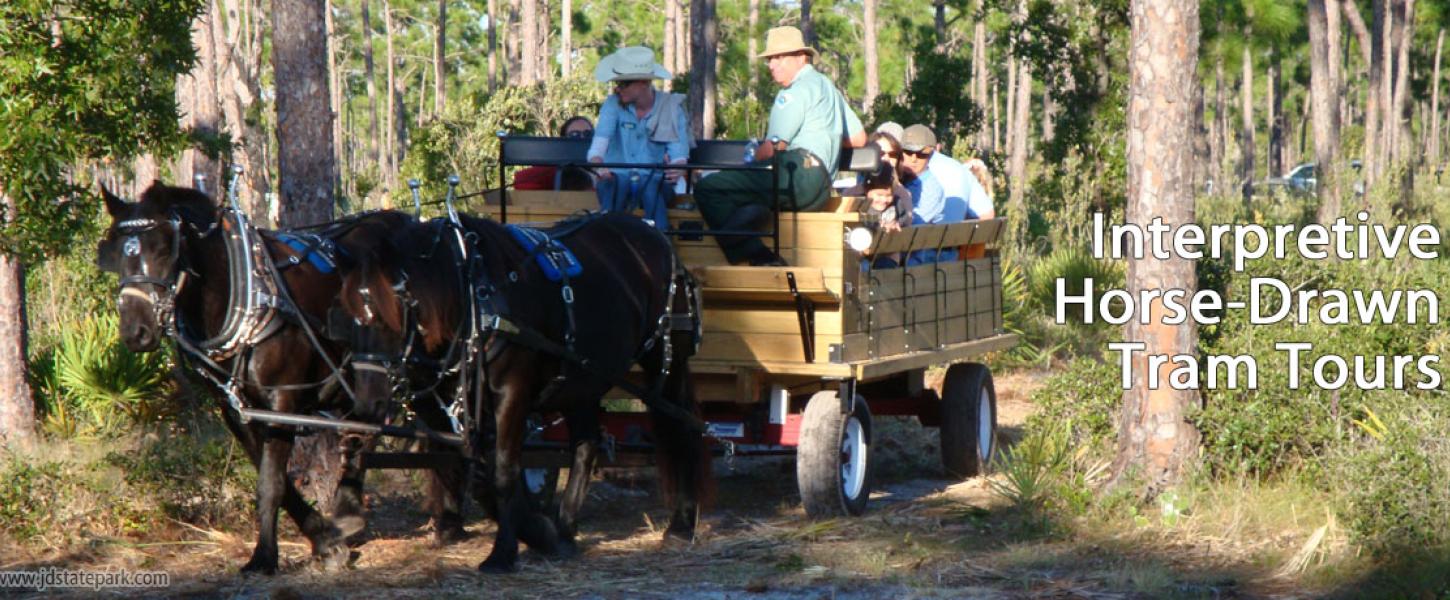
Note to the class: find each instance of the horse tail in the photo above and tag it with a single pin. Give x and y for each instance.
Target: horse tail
(683, 460)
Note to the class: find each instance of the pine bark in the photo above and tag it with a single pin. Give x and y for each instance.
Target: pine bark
(1434, 131)
(1156, 442)
(1017, 162)
(980, 74)
(197, 97)
(1274, 106)
(1220, 111)
(566, 38)
(372, 84)
(704, 38)
(808, 26)
(1324, 24)
(939, 21)
(1373, 113)
(754, 33)
(334, 97)
(1401, 142)
(305, 159)
(492, 8)
(390, 138)
(1246, 128)
(17, 404)
(873, 75)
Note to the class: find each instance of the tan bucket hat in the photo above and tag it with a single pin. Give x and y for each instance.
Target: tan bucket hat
(630, 64)
(785, 40)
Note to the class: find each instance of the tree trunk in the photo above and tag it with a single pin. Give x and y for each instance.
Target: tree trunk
(440, 60)
(492, 8)
(873, 76)
(240, 88)
(334, 100)
(669, 34)
(1373, 111)
(1246, 133)
(529, 43)
(1434, 132)
(980, 74)
(197, 94)
(1220, 112)
(940, 21)
(684, 43)
(703, 47)
(305, 160)
(1324, 23)
(1017, 163)
(996, 114)
(1405, 27)
(542, 68)
(808, 27)
(566, 38)
(754, 34)
(1275, 108)
(372, 83)
(390, 138)
(1010, 128)
(1156, 441)
(17, 404)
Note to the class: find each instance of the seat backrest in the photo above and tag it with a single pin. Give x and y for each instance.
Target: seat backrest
(865, 159)
(718, 153)
(533, 150)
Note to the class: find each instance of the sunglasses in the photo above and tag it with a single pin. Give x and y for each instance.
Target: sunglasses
(579, 134)
(619, 85)
(918, 153)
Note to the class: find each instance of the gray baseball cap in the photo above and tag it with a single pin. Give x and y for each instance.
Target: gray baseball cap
(891, 128)
(917, 138)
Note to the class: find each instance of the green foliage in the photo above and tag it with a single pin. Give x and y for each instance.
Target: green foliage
(1085, 398)
(105, 385)
(1073, 266)
(81, 79)
(935, 97)
(195, 479)
(1390, 478)
(465, 142)
(30, 498)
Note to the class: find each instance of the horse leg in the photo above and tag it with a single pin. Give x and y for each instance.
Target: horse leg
(311, 522)
(683, 461)
(516, 519)
(445, 482)
(584, 437)
(271, 480)
(348, 513)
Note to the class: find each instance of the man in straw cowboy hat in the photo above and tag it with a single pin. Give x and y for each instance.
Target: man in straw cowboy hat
(639, 124)
(812, 120)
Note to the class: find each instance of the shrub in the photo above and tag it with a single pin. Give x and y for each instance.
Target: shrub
(1084, 398)
(191, 478)
(1390, 479)
(104, 385)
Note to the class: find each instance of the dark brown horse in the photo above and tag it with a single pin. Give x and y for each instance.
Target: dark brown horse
(257, 338)
(437, 294)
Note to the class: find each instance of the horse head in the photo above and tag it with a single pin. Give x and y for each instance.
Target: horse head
(145, 246)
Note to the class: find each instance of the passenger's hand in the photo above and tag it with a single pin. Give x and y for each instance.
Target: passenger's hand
(673, 175)
(601, 171)
(891, 226)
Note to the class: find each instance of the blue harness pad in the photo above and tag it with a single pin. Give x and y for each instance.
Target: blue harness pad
(319, 252)
(554, 258)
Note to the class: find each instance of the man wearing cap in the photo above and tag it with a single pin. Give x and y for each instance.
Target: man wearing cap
(942, 189)
(638, 124)
(812, 121)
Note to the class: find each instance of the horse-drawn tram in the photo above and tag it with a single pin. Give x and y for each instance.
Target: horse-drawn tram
(801, 357)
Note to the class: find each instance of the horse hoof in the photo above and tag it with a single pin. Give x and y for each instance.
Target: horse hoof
(676, 537)
(334, 558)
(350, 525)
(498, 567)
(449, 536)
(259, 566)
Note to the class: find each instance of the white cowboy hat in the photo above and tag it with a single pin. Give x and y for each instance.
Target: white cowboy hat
(785, 40)
(630, 64)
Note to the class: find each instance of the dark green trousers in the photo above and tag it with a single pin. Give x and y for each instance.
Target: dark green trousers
(802, 188)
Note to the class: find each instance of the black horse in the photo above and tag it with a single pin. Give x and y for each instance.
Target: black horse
(437, 293)
(246, 309)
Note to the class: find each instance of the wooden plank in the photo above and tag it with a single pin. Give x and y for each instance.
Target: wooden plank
(752, 349)
(706, 255)
(922, 279)
(956, 303)
(806, 278)
(877, 369)
(774, 368)
(767, 320)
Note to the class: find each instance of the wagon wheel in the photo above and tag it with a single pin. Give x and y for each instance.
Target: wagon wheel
(833, 461)
(969, 420)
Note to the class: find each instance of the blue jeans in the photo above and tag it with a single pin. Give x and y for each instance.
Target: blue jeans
(628, 190)
(922, 257)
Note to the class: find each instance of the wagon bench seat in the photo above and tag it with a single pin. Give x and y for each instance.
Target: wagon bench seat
(763, 284)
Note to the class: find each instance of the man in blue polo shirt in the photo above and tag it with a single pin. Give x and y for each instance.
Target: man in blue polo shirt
(642, 125)
(811, 118)
(942, 189)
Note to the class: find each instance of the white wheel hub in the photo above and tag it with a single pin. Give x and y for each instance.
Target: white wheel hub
(853, 458)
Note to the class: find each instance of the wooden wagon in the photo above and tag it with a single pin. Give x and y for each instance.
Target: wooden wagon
(801, 357)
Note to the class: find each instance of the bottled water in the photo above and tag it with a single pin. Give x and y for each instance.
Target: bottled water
(750, 150)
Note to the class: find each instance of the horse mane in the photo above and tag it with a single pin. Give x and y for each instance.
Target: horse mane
(194, 206)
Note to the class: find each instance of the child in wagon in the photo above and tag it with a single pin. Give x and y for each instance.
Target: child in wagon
(887, 209)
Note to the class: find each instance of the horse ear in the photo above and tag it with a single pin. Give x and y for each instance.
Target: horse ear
(114, 205)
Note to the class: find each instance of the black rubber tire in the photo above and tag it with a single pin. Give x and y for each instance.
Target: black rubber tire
(966, 387)
(820, 459)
